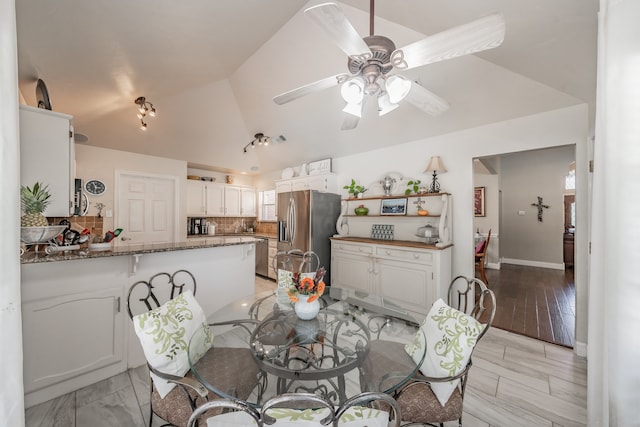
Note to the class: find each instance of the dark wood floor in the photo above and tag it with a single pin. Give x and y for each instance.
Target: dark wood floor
(536, 302)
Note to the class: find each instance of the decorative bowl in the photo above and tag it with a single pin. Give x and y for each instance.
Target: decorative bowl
(33, 235)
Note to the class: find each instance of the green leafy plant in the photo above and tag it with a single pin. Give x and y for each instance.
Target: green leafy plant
(412, 185)
(354, 189)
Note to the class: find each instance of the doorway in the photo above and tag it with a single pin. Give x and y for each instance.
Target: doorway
(146, 208)
(526, 258)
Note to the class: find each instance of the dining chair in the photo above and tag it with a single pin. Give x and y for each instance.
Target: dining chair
(481, 256)
(435, 394)
(302, 410)
(165, 316)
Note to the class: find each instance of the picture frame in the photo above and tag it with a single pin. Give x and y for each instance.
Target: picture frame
(478, 201)
(393, 206)
(320, 167)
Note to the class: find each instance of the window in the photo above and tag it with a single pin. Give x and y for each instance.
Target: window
(267, 205)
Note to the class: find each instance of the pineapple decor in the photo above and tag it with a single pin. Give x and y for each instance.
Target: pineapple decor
(34, 201)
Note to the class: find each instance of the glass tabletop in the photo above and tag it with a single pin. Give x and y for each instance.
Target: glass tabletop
(340, 353)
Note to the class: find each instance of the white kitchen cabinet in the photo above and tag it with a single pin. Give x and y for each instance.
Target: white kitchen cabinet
(327, 183)
(248, 202)
(232, 201)
(71, 335)
(47, 156)
(207, 199)
(409, 276)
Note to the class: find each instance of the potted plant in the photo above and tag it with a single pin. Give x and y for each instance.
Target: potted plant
(355, 190)
(412, 185)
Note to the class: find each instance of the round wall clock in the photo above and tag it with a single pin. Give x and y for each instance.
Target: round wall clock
(42, 95)
(95, 187)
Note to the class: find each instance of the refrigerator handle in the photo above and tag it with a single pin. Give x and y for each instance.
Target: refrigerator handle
(292, 221)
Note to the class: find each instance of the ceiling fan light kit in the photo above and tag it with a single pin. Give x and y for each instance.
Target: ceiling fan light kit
(371, 60)
(145, 108)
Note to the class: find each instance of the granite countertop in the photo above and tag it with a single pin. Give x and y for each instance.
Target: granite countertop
(203, 242)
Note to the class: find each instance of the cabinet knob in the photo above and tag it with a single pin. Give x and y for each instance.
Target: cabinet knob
(124, 239)
(388, 252)
(416, 256)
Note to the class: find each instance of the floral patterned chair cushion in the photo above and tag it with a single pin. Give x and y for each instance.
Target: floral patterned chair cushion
(450, 338)
(165, 333)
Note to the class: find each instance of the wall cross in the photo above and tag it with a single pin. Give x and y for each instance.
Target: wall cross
(540, 205)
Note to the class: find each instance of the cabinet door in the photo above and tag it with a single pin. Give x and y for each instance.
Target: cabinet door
(299, 184)
(283, 187)
(248, 202)
(232, 201)
(317, 183)
(409, 284)
(46, 156)
(196, 198)
(215, 199)
(71, 335)
(351, 271)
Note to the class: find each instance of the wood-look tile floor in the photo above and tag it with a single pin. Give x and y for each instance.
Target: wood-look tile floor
(536, 302)
(515, 381)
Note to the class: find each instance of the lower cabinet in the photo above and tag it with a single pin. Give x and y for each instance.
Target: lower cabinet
(71, 335)
(411, 277)
(273, 249)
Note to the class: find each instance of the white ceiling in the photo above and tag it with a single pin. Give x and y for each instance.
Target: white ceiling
(211, 68)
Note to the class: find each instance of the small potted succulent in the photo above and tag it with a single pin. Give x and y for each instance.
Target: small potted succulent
(356, 191)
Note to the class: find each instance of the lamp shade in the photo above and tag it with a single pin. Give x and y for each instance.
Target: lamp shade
(435, 165)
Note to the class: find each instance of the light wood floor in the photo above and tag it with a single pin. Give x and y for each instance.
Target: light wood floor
(536, 302)
(515, 381)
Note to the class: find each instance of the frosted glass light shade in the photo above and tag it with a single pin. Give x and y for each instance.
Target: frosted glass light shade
(397, 87)
(384, 105)
(353, 109)
(352, 91)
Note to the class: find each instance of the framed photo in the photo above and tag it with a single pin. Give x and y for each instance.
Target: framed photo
(478, 201)
(393, 206)
(319, 167)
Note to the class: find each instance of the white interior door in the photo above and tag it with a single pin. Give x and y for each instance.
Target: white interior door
(146, 208)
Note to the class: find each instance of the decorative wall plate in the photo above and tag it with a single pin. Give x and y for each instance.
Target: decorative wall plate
(42, 95)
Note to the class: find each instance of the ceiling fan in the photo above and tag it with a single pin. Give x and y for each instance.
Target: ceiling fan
(373, 60)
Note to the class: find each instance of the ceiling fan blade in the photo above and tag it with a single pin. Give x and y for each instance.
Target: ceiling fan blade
(425, 100)
(319, 85)
(481, 34)
(350, 122)
(330, 18)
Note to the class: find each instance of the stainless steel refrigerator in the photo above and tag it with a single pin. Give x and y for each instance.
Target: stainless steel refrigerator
(306, 221)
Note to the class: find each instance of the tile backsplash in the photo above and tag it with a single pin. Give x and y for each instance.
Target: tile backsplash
(79, 223)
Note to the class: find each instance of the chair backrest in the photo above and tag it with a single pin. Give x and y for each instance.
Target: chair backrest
(485, 246)
(145, 296)
(472, 296)
(234, 405)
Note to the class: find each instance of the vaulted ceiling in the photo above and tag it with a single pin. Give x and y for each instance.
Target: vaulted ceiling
(211, 69)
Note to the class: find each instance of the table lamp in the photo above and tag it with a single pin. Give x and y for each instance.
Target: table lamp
(435, 165)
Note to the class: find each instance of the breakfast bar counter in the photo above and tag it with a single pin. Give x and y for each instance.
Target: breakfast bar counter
(203, 242)
(76, 329)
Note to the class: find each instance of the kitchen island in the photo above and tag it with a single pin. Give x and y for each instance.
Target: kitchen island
(76, 329)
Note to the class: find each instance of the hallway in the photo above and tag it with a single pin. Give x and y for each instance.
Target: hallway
(536, 302)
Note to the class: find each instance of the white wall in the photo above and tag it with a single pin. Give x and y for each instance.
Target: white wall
(524, 177)
(11, 388)
(101, 163)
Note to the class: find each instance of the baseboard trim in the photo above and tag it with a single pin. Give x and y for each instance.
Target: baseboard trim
(580, 349)
(528, 263)
(493, 265)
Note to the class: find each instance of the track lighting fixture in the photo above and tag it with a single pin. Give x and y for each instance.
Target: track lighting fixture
(261, 139)
(145, 108)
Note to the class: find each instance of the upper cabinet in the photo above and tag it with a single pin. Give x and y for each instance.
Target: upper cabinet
(206, 199)
(327, 183)
(47, 156)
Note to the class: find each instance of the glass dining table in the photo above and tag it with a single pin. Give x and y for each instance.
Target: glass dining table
(322, 356)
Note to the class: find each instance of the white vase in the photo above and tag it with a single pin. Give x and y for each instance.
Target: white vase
(306, 310)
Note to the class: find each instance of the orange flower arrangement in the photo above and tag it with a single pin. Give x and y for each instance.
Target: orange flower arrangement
(305, 285)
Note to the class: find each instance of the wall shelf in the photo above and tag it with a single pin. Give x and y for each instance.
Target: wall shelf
(391, 216)
(398, 196)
